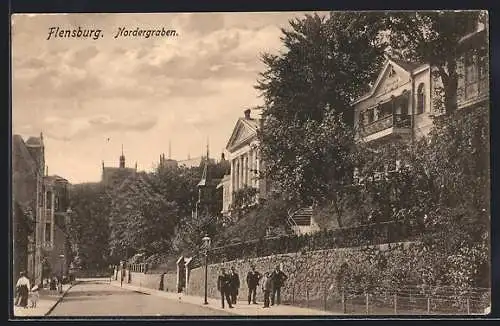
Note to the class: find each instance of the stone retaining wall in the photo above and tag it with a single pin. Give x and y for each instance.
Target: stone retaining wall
(311, 275)
(152, 281)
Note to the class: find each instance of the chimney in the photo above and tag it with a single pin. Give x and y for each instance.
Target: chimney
(222, 157)
(247, 113)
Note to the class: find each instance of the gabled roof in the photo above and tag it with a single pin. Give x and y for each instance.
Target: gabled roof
(34, 141)
(407, 66)
(22, 161)
(251, 126)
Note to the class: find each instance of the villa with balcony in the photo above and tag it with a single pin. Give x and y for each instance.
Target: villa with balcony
(398, 106)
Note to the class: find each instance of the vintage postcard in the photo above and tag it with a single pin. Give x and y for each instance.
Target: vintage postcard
(251, 164)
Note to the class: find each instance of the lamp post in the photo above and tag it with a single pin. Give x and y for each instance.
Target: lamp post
(60, 278)
(206, 245)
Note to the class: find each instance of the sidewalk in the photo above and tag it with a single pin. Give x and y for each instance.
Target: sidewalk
(45, 304)
(242, 308)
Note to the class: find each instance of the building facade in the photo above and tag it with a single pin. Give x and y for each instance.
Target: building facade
(55, 240)
(245, 161)
(398, 105)
(28, 162)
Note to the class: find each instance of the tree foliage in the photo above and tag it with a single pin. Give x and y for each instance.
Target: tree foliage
(306, 140)
(88, 227)
(141, 219)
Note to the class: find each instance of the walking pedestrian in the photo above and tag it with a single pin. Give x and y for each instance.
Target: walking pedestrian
(23, 289)
(253, 278)
(223, 286)
(267, 285)
(234, 284)
(279, 279)
(162, 281)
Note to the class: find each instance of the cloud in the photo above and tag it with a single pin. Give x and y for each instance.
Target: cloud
(136, 90)
(84, 127)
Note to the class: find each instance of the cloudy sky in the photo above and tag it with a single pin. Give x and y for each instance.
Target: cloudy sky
(135, 91)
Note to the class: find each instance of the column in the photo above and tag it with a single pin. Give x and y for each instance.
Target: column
(250, 168)
(246, 169)
(257, 180)
(241, 171)
(231, 182)
(52, 216)
(237, 174)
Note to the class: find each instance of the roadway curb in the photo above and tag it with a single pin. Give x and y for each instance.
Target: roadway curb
(60, 298)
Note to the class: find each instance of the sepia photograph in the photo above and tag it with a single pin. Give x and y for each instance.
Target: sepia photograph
(239, 164)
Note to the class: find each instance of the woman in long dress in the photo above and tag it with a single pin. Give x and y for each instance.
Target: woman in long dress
(23, 289)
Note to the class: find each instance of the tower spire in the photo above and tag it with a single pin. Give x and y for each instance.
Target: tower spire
(207, 148)
(122, 160)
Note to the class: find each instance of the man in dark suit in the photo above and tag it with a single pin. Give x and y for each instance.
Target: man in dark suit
(224, 286)
(253, 278)
(279, 279)
(235, 285)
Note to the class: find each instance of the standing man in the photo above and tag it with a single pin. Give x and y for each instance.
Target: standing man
(253, 278)
(235, 285)
(279, 279)
(223, 285)
(267, 286)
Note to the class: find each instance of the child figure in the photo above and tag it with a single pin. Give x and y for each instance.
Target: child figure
(34, 296)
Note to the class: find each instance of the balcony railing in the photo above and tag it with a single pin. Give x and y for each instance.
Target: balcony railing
(473, 92)
(390, 121)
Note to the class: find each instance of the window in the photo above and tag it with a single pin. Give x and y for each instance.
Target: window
(49, 200)
(48, 230)
(369, 116)
(421, 98)
(471, 75)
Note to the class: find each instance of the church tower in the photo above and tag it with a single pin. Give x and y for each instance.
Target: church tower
(205, 188)
(122, 160)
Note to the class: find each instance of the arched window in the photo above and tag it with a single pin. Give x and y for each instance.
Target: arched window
(420, 98)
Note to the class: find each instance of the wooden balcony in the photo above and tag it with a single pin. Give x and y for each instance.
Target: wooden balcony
(388, 125)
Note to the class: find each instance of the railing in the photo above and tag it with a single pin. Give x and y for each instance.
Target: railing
(394, 120)
(471, 92)
(371, 234)
(408, 300)
(139, 268)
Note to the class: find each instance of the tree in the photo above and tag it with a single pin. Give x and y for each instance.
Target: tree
(306, 140)
(141, 219)
(433, 37)
(89, 225)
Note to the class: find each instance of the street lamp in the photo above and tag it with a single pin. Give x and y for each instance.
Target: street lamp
(60, 278)
(206, 245)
